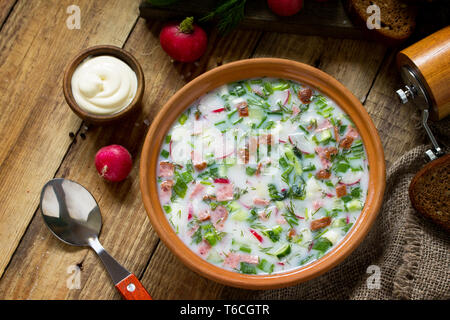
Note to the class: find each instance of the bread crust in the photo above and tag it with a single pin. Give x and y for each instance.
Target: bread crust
(429, 191)
(397, 19)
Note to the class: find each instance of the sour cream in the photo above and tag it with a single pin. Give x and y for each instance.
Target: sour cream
(103, 85)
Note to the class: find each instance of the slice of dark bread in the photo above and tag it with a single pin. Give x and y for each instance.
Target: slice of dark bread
(397, 19)
(429, 191)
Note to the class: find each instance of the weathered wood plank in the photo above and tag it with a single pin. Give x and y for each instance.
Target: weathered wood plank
(5, 8)
(35, 46)
(354, 63)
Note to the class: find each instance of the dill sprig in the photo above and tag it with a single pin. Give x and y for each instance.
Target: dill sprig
(229, 13)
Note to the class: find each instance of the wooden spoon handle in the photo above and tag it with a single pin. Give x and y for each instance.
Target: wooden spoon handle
(131, 289)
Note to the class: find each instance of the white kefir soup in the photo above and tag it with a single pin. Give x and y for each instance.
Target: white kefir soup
(103, 85)
(262, 176)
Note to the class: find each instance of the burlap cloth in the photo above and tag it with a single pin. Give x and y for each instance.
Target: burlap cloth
(412, 253)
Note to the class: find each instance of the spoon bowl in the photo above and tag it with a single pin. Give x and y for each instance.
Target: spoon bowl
(73, 216)
(70, 212)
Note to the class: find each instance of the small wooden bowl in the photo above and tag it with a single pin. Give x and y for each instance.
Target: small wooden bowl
(98, 51)
(246, 69)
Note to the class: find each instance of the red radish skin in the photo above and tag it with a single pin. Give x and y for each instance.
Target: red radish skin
(285, 8)
(184, 42)
(113, 163)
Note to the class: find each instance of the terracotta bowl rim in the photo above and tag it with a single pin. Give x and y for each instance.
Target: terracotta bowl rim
(260, 67)
(97, 50)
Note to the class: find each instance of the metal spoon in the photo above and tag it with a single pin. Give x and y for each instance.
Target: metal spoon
(72, 214)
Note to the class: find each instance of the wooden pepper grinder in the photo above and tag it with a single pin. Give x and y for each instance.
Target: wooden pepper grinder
(425, 70)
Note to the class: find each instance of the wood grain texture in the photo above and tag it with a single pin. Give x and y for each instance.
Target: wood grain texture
(5, 9)
(35, 45)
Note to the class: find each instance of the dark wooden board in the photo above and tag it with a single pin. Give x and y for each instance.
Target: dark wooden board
(316, 18)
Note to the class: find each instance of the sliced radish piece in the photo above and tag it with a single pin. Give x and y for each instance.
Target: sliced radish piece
(351, 177)
(219, 110)
(288, 95)
(301, 142)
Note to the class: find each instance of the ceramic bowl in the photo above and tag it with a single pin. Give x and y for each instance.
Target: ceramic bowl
(253, 68)
(98, 51)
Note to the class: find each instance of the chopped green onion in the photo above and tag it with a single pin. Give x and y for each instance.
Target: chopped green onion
(183, 118)
(165, 154)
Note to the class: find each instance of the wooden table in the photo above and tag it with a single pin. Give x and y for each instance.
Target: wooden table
(36, 144)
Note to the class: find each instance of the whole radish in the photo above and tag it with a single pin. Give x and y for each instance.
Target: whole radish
(113, 162)
(285, 7)
(184, 42)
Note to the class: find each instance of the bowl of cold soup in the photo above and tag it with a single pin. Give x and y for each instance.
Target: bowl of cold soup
(262, 173)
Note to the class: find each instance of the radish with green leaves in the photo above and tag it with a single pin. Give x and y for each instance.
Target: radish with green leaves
(184, 42)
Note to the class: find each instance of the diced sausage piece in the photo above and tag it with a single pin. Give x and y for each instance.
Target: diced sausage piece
(197, 161)
(249, 258)
(198, 189)
(219, 216)
(209, 198)
(232, 260)
(292, 233)
(225, 192)
(204, 215)
(244, 155)
(258, 169)
(265, 139)
(253, 145)
(261, 202)
(166, 186)
(204, 248)
(346, 142)
(200, 166)
(341, 190)
(305, 95)
(323, 174)
(336, 133)
(242, 109)
(166, 169)
(326, 124)
(320, 223)
(326, 152)
(352, 133)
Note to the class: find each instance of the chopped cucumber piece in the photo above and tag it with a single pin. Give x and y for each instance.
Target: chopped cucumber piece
(325, 136)
(214, 257)
(266, 266)
(248, 268)
(240, 215)
(282, 251)
(354, 205)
